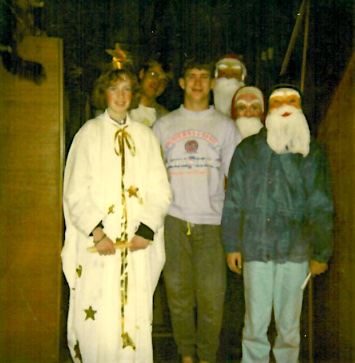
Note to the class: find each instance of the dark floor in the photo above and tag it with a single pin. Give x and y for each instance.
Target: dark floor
(230, 341)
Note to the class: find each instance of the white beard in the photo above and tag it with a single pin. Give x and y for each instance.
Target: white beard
(248, 126)
(223, 92)
(288, 134)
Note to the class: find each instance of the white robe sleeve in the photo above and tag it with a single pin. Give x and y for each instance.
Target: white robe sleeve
(79, 203)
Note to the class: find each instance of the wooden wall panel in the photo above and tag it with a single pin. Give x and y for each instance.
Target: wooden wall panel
(31, 228)
(335, 326)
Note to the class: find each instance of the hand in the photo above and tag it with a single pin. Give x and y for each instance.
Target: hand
(317, 268)
(138, 243)
(234, 262)
(106, 247)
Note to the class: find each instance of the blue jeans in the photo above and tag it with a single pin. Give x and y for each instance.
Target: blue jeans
(270, 286)
(195, 280)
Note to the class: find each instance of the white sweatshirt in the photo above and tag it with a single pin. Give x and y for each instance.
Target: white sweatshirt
(198, 147)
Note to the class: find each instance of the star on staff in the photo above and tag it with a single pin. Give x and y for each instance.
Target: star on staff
(90, 313)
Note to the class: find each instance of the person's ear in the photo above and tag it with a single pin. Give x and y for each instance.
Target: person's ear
(182, 83)
(141, 74)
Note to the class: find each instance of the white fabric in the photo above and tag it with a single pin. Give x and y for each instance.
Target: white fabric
(143, 114)
(148, 115)
(198, 147)
(92, 188)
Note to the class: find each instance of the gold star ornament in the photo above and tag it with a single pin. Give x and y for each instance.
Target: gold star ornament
(119, 57)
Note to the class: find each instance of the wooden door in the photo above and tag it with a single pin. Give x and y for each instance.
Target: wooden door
(31, 223)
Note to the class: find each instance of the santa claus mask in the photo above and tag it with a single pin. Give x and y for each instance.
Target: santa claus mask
(288, 130)
(247, 110)
(230, 75)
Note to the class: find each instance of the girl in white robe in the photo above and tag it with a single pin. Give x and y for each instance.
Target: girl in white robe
(116, 191)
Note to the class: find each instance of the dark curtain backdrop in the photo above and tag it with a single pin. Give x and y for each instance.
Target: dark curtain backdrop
(259, 31)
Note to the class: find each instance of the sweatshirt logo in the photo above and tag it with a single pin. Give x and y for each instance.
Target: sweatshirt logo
(191, 146)
(196, 134)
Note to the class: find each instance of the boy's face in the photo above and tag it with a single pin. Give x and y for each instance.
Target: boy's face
(197, 84)
(153, 81)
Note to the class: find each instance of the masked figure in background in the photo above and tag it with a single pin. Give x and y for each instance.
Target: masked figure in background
(248, 110)
(230, 75)
(277, 224)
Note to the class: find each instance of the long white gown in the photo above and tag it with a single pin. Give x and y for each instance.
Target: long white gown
(94, 191)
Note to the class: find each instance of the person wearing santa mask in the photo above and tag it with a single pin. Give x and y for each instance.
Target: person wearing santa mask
(277, 224)
(230, 75)
(248, 110)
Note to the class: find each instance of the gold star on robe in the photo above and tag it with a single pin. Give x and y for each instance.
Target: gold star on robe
(90, 313)
(79, 270)
(77, 352)
(110, 209)
(132, 191)
(119, 57)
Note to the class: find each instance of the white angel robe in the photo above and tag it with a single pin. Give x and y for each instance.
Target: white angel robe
(93, 193)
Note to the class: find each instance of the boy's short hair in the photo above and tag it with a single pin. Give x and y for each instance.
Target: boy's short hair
(192, 63)
(99, 99)
(164, 66)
